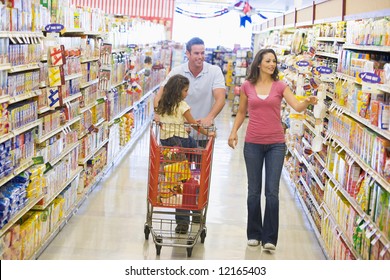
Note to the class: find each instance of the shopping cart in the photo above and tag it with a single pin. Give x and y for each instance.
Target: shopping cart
(179, 178)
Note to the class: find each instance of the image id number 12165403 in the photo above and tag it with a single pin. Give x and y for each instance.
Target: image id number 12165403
(242, 270)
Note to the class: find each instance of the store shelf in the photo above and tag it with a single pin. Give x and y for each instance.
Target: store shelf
(72, 97)
(312, 198)
(309, 167)
(4, 98)
(5, 67)
(117, 84)
(384, 133)
(342, 234)
(331, 55)
(310, 127)
(89, 59)
(21, 34)
(66, 151)
(330, 39)
(374, 174)
(44, 110)
(87, 84)
(20, 130)
(60, 189)
(24, 96)
(87, 108)
(67, 31)
(385, 88)
(367, 48)
(57, 130)
(73, 76)
(53, 233)
(128, 109)
(27, 164)
(134, 138)
(99, 122)
(94, 33)
(20, 214)
(24, 67)
(116, 50)
(316, 155)
(83, 161)
(381, 87)
(356, 206)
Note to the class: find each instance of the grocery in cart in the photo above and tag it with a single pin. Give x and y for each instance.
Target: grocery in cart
(178, 185)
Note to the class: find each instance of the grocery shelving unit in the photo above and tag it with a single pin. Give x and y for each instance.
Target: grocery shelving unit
(336, 233)
(59, 148)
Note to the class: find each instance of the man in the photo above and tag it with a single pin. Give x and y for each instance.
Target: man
(206, 97)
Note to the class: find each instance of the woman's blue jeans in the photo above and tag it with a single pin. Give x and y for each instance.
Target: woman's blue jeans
(255, 155)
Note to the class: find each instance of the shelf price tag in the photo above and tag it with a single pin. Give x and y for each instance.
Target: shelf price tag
(375, 240)
(48, 168)
(385, 248)
(100, 100)
(360, 219)
(324, 70)
(54, 27)
(302, 63)
(363, 226)
(38, 160)
(372, 232)
(369, 77)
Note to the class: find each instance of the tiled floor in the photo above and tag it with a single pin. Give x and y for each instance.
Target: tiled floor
(110, 223)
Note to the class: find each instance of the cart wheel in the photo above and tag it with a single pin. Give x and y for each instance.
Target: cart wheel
(158, 247)
(189, 252)
(147, 232)
(202, 236)
(158, 250)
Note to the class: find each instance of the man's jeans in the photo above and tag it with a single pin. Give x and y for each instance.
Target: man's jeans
(185, 143)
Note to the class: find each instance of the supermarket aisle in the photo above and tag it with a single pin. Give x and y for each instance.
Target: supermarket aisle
(109, 225)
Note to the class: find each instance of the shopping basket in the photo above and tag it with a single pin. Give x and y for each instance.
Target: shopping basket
(179, 179)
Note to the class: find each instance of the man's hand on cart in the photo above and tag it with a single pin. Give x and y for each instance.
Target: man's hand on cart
(207, 121)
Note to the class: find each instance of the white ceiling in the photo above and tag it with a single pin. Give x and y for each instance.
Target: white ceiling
(259, 5)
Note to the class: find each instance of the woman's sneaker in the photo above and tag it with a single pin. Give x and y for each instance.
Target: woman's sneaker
(253, 242)
(269, 247)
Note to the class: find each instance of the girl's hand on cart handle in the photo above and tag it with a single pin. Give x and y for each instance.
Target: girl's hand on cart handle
(233, 139)
(212, 134)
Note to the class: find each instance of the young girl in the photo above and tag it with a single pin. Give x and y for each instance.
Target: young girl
(174, 112)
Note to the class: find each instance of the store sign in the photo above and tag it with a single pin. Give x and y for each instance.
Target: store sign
(303, 63)
(54, 27)
(369, 77)
(324, 70)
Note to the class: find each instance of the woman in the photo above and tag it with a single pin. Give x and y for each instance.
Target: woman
(261, 95)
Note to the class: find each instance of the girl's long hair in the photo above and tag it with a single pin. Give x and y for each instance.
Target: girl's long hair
(172, 94)
(254, 71)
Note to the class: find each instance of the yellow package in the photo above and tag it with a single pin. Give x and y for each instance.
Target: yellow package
(177, 172)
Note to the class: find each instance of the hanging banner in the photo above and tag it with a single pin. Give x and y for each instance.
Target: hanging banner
(162, 9)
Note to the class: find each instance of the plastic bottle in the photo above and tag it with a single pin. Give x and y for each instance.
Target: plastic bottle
(190, 192)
